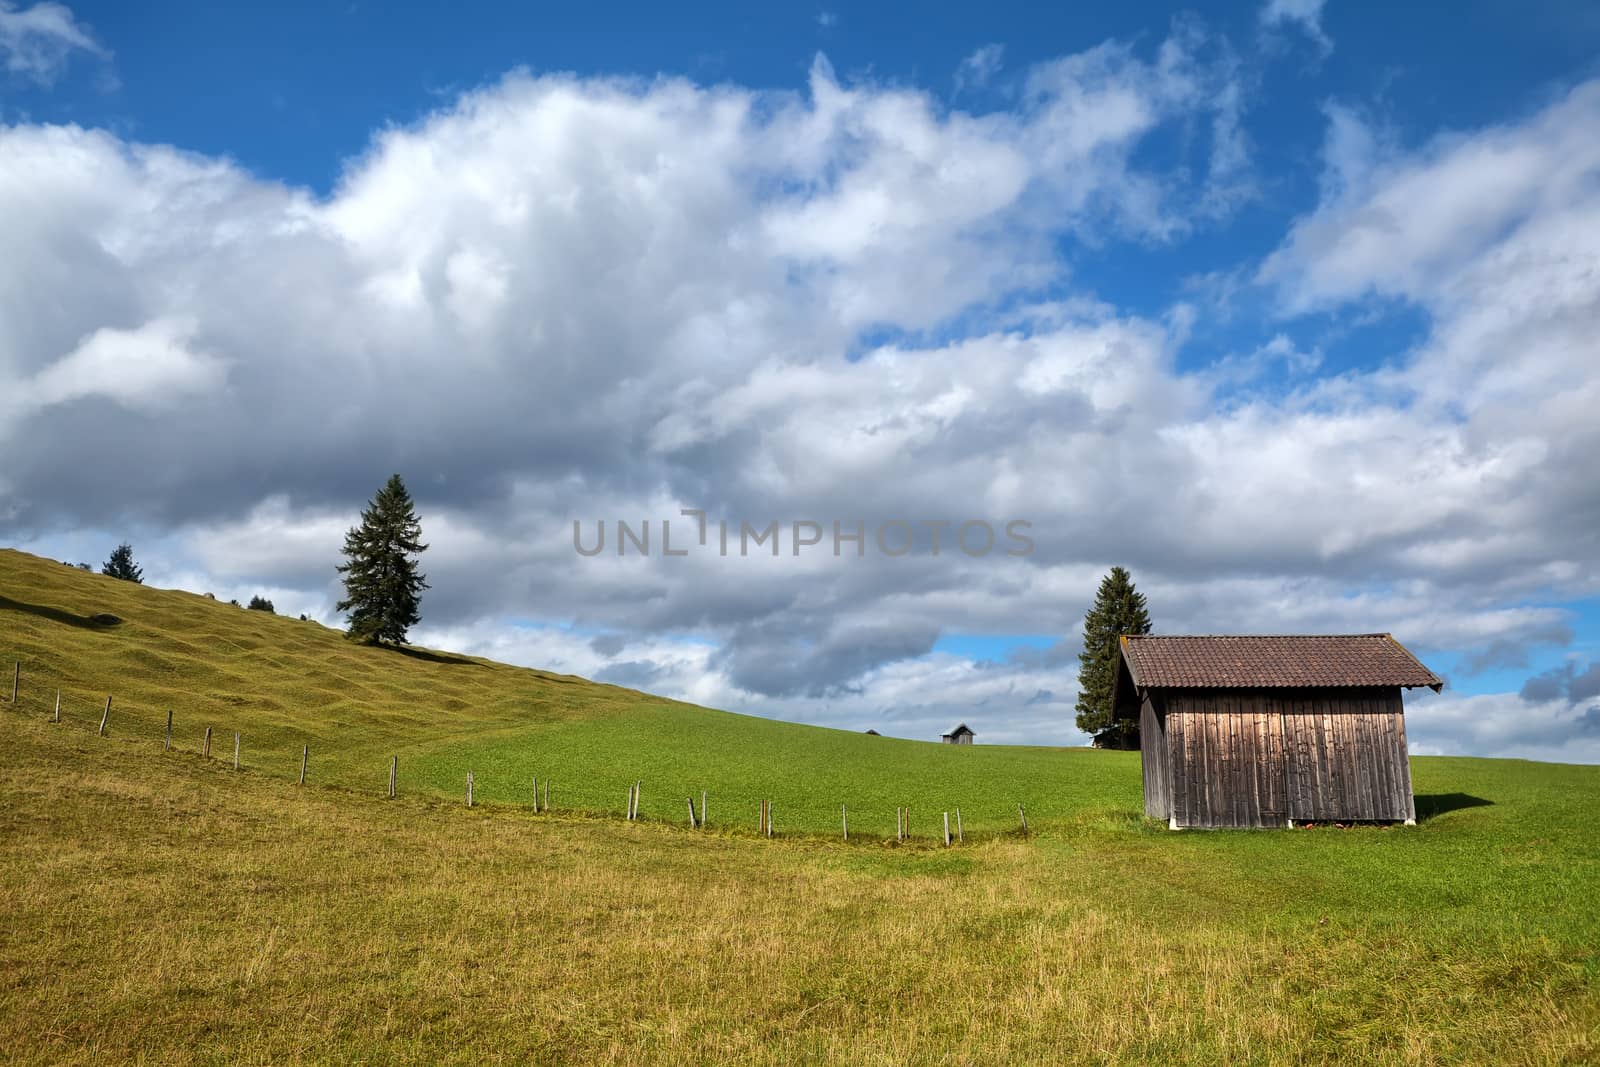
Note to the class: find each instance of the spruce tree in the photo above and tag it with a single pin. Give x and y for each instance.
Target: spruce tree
(1118, 609)
(383, 590)
(121, 565)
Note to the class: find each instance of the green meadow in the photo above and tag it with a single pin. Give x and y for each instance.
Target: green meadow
(158, 906)
(284, 686)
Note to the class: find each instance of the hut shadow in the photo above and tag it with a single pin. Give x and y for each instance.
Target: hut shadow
(84, 622)
(1432, 804)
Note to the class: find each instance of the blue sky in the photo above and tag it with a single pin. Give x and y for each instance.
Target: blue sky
(1284, 305)
(293, 89)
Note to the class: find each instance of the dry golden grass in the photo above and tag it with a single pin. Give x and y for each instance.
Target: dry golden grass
(159, 908)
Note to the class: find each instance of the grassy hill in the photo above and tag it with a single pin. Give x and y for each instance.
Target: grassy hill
(161, 906)
(283, 684)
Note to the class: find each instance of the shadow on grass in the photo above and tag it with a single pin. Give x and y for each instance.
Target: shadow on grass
(86, 622)
(436, 657)
(1431, 804)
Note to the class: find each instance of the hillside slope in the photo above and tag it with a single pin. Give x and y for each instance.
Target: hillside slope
(283, 684)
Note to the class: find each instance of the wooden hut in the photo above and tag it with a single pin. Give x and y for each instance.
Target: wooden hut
(1271, 731)
(961, 735)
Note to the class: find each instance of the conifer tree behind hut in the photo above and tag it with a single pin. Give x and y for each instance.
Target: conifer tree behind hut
(383, 589)
(1118, 609)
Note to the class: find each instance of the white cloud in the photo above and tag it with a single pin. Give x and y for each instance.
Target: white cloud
(1306, 15)
(272, 540)
(37, 42)
(1279, 353)
(1399, 224)
(1501, 724)
(563, 298)
(1494, 235)
(979, 68)
(148, 369)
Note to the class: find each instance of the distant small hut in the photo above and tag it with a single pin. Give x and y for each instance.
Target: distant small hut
(1271, 731)
(961, 735)
(873, 733)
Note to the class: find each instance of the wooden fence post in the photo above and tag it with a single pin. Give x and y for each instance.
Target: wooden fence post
(536, 794)
(57, 716)
(205, 746)
(702, 808)
(394, 772)
(105, 717)
(547, 794)
(166, 746)
(947, 829)
(691, 813)
(305, 755)
(629, 809)
(844, 819)
(469, 789)
(960, 837)
(1023, 816)
(235, 751)
(769, 818)
(16, 677)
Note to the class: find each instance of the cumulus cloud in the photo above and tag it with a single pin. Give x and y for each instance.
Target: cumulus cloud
(1565, 683)
(1502, 725)
(1492, 234)
(537, 280)
(150, 368)
(37, 42)
(562, 299)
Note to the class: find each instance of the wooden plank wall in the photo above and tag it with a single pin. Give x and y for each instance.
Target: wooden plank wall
(1239, 758)
(1155, 761)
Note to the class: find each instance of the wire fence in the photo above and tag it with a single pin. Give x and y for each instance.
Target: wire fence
(790, 808)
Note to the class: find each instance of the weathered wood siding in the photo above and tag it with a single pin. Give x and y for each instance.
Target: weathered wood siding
(1154, 757)
(1263, 757)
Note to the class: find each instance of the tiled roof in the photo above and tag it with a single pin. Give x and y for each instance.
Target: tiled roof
(1273, 661)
